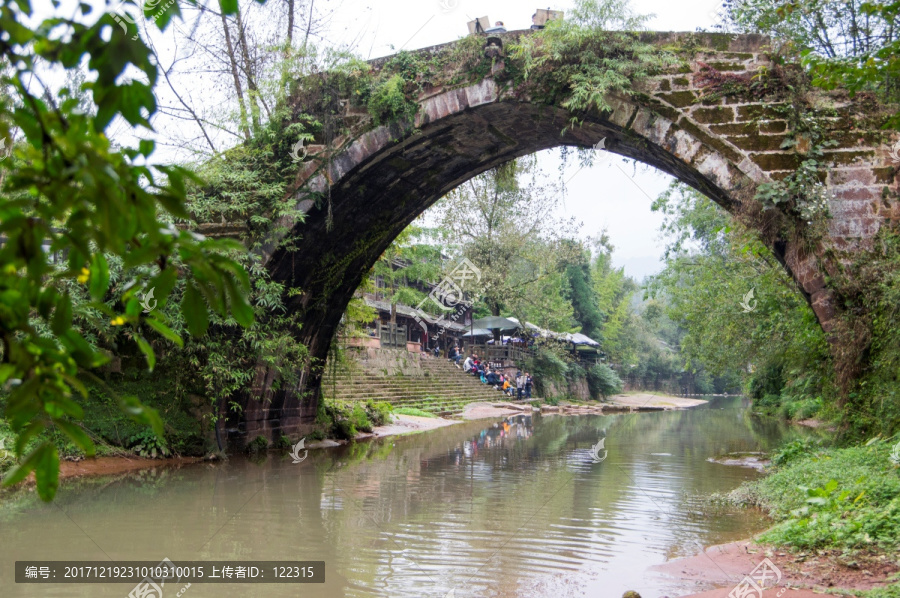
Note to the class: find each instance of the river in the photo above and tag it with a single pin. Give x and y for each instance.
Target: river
(516, 509)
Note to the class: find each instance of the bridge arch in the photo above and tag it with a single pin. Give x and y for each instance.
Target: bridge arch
(381, 179)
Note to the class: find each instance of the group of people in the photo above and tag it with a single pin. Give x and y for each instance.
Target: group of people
(518, 386)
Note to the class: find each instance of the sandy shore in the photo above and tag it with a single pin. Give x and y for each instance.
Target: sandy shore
(654, 400)
(407, 424)
(716, 571)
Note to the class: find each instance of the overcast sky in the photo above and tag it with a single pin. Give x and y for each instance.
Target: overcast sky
(604, 196)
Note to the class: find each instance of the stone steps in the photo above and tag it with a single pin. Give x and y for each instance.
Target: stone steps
(443, 390)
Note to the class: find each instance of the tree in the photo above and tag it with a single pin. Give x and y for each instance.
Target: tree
(581, 294)
(404, 263)
(738, 307)
(505, 227)
(67, 191)
(849, 44)
(614, 291)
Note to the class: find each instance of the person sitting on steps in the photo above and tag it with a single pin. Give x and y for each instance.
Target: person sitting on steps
(468, 364)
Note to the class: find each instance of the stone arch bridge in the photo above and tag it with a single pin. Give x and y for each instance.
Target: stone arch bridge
(379, 178)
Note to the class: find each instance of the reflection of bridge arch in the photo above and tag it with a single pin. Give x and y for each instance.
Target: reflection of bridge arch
(382, 178)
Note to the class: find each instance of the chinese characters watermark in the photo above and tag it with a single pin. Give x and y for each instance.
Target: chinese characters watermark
(448, 295)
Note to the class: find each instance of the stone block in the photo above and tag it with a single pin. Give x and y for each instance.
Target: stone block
(722, 114)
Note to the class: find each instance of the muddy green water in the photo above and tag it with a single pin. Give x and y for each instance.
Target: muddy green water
(513, 510)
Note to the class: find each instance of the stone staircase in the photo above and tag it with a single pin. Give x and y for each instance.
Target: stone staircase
(435, 385)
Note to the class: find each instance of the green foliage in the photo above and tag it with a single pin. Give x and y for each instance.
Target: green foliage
(407, 266)
(147, 444)
(359, 418)
(260, 444)
(546, 366)
(579, 62)
(584, 303)
(603, 381)
(843, 498)
(613, 291)
(891, 591)
(846, 44)
(379, 413)
(802, 196)
(503, 223)
(775, 343)
(345, 422)
(413, 411)
(393, 100)
(68, 188)
(793, 451)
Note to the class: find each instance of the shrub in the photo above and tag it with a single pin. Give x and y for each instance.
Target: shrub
(360, 419)
(343, 429)
(390, 102)
(792, 451)
(379, 413)
(147, 444)
(603, 381)
(842, 498)
(546, 366)
(258, 445)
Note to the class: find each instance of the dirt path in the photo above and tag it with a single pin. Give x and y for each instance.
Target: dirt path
(802, 575)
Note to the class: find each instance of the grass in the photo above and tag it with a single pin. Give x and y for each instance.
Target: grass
(836, 498)
(891, 591)
(413, 411)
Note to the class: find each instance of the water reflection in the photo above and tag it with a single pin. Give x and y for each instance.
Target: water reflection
(512, 508)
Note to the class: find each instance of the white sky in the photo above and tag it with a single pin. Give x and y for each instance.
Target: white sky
(604, 196)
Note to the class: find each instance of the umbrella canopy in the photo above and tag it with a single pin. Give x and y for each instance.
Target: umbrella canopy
(479, 332)
(497, 323)
(581, 339)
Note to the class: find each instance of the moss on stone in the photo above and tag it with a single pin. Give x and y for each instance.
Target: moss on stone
(722, 114)
(679, 99)
(709, 140)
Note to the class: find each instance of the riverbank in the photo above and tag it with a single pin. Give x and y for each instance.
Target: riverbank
(836, 514)
(795, 575)
(401, 424)
(646, 399)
